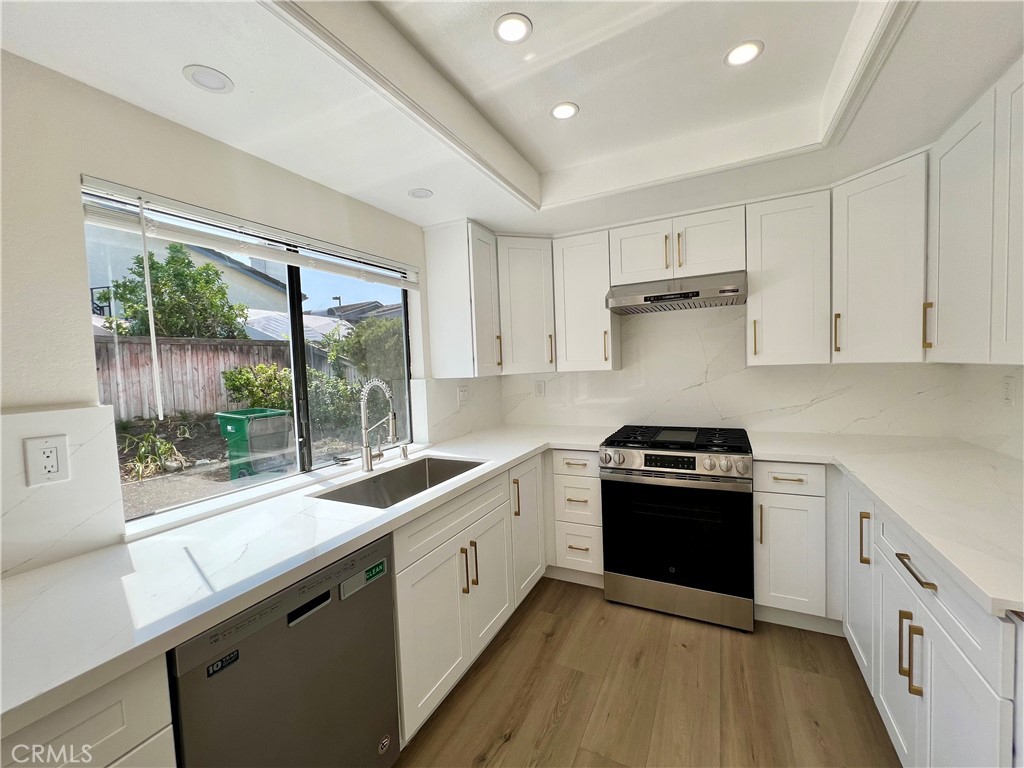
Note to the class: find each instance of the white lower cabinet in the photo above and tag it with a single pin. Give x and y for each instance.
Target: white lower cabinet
(450, 604)
(157, 752)
(527, 526)
(859, 610)
(578, 532)
(789, 552)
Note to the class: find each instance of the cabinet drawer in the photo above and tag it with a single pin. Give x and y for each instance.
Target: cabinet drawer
(789, 477)
(579, 547)
(157, 752)
(110, 722)
(427, 532)
(580, 463)
(985, 639)
(578, 499)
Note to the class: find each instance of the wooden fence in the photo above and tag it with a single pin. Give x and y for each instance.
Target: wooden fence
(190, 372)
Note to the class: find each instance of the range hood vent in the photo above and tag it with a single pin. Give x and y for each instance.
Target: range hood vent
(721, 290)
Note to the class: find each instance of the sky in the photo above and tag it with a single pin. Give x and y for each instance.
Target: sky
(320, 287)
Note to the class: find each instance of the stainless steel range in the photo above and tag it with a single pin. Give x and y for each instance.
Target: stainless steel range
(678, 522)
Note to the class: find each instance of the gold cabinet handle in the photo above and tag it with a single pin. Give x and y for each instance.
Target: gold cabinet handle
(863, 558)
(500, 355)
(577, 501)
(903, 670)
(568, 463)
(835, 332)
(780, 479)
(465, 553)
(519, 504)
(476, 565)
(606, 346)
(760, 535)
(904, 558)
(579, 549)
(679, 247)
(925, 344)
(551, 348)
(666, 253)
(916, 690)
(755, 337)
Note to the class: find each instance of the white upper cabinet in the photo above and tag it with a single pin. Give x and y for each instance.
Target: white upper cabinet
(462, 301)
(788, 257)
(710, 242)
(527, 302)
(586, 333)
(1008, 239)
(879, 223)
(960, 239)
(697, 244)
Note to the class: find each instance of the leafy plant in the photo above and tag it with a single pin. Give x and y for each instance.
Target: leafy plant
(376, 346)
(188, 300)
(260, 386)
(150, 453)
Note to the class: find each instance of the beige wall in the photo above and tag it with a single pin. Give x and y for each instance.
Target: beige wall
(55, 129)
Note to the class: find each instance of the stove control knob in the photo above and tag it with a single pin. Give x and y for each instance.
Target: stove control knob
(606, 458)
(709, 463)
(742, 467)
(725, 464)
(620, 459)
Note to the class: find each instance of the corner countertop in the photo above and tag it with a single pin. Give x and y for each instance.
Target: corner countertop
(73, 626)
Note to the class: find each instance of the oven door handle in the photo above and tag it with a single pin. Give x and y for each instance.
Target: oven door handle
(736, 486)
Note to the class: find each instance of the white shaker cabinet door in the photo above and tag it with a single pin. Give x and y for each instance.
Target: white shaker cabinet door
(527, 526)
(586, 333)
(640, 253)
(859, 612)
(527, 302)
(960, 239)
(879, 223)
(788, 262)
(789, 552)
(710, 242)
(483, 259)
(491, 598)
(1008, 240)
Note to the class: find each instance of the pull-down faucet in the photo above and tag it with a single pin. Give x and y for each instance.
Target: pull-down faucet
(368, 453)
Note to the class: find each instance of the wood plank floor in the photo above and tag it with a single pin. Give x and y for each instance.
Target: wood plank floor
(572, 680)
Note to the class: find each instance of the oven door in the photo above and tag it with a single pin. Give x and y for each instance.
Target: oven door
(688, 532)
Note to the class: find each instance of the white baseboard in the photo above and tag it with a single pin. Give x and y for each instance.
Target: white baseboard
(798, 620)
(585, 578)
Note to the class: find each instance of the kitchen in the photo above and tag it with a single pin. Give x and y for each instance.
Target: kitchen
(862, 371)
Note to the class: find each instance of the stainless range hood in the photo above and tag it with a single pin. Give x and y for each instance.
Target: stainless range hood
(718, 290)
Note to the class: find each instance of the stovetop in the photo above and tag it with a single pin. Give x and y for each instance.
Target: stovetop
(690, 439)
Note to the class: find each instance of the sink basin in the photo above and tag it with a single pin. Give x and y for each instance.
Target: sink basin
(394, 485)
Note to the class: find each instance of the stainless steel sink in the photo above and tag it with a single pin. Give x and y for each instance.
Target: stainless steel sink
(394, 485)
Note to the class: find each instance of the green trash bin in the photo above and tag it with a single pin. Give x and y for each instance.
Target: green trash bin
(259, 439)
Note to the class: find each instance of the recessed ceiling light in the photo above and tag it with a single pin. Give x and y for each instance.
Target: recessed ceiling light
(512, 28)
(565, 110)
(744, 53)
(208, 79)
(420, 193)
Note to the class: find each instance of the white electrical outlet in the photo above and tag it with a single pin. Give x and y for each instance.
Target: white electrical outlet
(463, 391)
(538, 388)
(1009, 389)
(46, 459)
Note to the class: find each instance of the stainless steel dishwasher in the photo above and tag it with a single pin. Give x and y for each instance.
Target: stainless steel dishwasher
(304, 678)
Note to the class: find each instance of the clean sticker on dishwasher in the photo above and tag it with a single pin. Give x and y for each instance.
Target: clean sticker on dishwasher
(353, 584)
(221, 664)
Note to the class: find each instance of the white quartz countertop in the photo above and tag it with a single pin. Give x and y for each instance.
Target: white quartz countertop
(75, 625)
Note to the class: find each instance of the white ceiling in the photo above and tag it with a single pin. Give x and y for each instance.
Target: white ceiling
(642, 73)
(649, 79)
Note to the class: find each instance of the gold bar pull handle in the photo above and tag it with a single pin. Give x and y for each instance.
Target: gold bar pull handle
(760, 535)
(551, 348)
(915, 690)
(863, 558)
(835, 333)
(903, 670)
(904, 558)
(606, 346)
(568, 463)
(755, 338)
(519, 504)
(476, 565)
(465, 553)
(667, 263)
(576, 501)
(579, 549)
(781, 479)
(500, 355)
(679, 247)
(925, 344)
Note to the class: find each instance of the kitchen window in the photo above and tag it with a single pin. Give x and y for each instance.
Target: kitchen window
(234, 355)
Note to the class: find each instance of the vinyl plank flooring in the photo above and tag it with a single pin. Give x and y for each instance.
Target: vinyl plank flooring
(585, 759)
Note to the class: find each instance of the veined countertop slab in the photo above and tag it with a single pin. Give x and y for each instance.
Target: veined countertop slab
(73, 626)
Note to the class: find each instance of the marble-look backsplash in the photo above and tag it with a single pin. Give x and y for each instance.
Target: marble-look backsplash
(47, 523)
(982, 416)
(689, 367)
(437, 415)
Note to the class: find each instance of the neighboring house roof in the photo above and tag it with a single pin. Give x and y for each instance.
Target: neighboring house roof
(355, 313)
(238, 266)
(271, 325)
